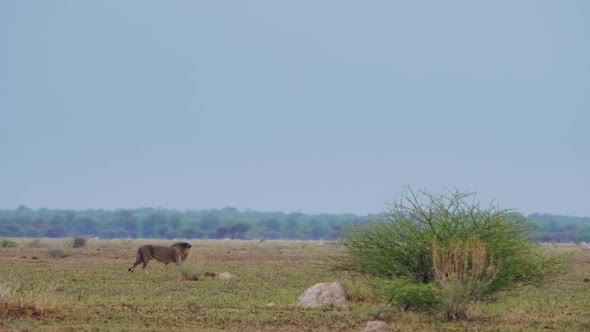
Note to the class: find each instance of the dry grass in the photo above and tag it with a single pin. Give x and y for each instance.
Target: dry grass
(92, 290)
(462, 272)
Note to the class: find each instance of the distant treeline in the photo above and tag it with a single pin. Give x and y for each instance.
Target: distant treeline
(225, 223)
(170, 224)
(556, 228)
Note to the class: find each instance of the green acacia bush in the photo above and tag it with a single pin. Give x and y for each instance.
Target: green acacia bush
(443, 251)
(7, 243)
(79, 242)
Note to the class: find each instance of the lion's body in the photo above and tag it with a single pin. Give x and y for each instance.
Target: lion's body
(177, 253)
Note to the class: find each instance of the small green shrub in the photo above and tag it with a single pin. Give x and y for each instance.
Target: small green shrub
(79, 242)
(35, 243)
(407, 293)
(7, 243)
(57, 253)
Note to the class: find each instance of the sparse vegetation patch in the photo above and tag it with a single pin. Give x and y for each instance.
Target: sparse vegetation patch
(92, 290)
(7, 243)
(57, 253)
(79, 242)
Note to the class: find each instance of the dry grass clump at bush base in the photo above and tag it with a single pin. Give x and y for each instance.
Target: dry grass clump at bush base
(463, 271)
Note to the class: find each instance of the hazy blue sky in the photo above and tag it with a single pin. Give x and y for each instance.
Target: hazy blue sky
(322, 106)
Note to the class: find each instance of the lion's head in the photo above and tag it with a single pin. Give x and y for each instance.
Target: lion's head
(184, 248)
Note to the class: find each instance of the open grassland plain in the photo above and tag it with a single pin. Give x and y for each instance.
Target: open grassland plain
(47, 285)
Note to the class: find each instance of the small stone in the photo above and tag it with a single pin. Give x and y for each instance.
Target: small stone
(323, 294)
(376, 326)
(226, 275)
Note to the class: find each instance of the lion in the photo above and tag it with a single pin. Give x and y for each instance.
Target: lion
(176, 253)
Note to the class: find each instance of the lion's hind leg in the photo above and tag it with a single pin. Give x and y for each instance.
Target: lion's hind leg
(145, 264)
(134, 265)
(138, 261)
(141, 258)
